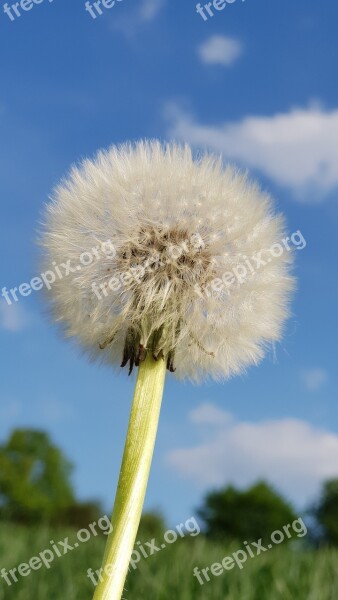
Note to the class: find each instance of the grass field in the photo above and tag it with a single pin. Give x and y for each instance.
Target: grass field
(283, 573)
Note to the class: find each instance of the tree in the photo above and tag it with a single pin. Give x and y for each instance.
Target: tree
(80, 514)
(245, 515)
(34, 478)
(152, 525)
(326, 513)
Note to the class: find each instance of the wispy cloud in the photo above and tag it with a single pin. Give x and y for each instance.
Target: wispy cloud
(314, 379)
(220, 50)
(209, 414)
(292, 454)
(149, 9)
(142, 13)
(13, 318)
(296, 149)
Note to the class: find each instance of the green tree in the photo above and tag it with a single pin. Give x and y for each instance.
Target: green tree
(34, 478)
(245, 515)
(326, 513)
(152, 525)
(80, 514)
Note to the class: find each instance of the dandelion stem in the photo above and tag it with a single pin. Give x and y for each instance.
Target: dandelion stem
(133, 479)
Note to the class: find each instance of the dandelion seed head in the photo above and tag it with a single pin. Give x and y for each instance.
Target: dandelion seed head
(163, 229)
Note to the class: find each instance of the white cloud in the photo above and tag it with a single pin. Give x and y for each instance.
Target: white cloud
(142, 13)
(209, 414)
(314, 379)
(149, 9)
(297, 149)
(292, 454)
(220, 50)
(13, 317)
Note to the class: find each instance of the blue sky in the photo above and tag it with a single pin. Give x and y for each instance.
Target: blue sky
(257, 82)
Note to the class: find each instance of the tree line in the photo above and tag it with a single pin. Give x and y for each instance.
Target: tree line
(35, 487)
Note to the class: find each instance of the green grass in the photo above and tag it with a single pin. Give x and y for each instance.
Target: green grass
(283, 573)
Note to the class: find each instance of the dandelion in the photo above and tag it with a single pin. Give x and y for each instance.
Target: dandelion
(175, 226)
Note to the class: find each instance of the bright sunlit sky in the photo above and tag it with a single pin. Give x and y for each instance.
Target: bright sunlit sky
(257, 82)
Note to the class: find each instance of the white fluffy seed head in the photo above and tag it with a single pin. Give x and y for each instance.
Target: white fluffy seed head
(156, 245)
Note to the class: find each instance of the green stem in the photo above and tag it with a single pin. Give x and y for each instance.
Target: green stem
(133, 479)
